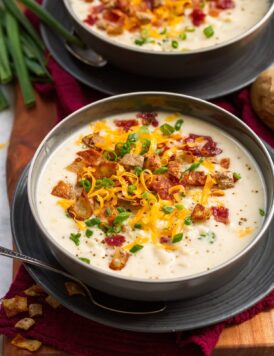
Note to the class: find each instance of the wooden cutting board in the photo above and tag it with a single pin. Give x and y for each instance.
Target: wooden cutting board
(252, 338)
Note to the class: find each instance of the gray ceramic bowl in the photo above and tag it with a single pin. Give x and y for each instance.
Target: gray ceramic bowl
(134, 288)
(171, 64)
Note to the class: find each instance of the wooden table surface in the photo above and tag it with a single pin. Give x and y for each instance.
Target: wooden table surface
(252, 338)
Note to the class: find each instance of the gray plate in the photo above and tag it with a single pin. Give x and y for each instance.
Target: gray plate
(252, 283)
(112, 81)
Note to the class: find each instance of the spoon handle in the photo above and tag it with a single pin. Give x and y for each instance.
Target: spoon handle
(33, 261)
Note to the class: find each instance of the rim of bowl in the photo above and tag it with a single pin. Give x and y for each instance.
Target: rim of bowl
(255, 240)
(257, 25)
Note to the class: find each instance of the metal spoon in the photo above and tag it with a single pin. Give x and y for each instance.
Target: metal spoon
(146, 307)
(86, 54)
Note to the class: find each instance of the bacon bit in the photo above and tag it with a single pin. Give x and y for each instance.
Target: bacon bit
(91, 156)
(196, 179)
(225, 4)
(105, 169)
(225, 163)
(119, 259)
(63, 190)
(200, 213)
(220, 214)
(209, 149)
(90, 20)
(126, 124)
(175, 169)
(213, 11)
(198, 17)
(148, 118)
(161, 184)
(165, 240)
(153, 162)
(115, 240)
(81, 209)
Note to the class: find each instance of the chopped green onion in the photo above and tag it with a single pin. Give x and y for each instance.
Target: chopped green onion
(93, 222)
(145, 146)
(179, 206)
(121, 218)
(86, 260)
(209, 31)
(113, 230)
(131, 188)
(159, 151)
(108, 211)
(188, 220)
(86, 185)
(179, 124)
(121, 210)
(132, 137)
(190, 29)
(143, 130)
(164, 31)
(174, 44)
(160, 170)
(110, 155)
(3, 102)
(18, 14)
(136, 248)
(262, 212)
(89, 233)
(104, 183)
(167, 130)
(52, 23)
(140, 41)
(168, 209)
(177, 238)
(195, 165)
(183, 36)
(75, 238)
(138, 226)
(237, 176)
(145, 195)
(122, 148)
(210, 236)
(138, 171)
(18, 60)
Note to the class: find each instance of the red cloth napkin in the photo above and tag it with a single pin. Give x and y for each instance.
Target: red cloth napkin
(69, 332)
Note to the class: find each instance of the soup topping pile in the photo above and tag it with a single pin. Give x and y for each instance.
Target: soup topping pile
(138, 176)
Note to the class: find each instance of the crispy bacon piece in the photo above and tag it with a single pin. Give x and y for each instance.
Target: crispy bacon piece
(126, 124)
(105, 169)
(200, 213)
(161, 184)
(165, 240)
(91, 156)
(225, 163)
(63, 190)
(90, 20)
(115, 240)
(209, 149)
(220, 214)
(153, 162)
(198, 17)
(225, 4)
(148, 118)
(132, 160)
(81, 209)
(119, 259)
(175, 169)
(196, 179)
(224, 180)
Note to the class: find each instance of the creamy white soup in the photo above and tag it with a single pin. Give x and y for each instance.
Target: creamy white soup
(151, 195)
(170, 25)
